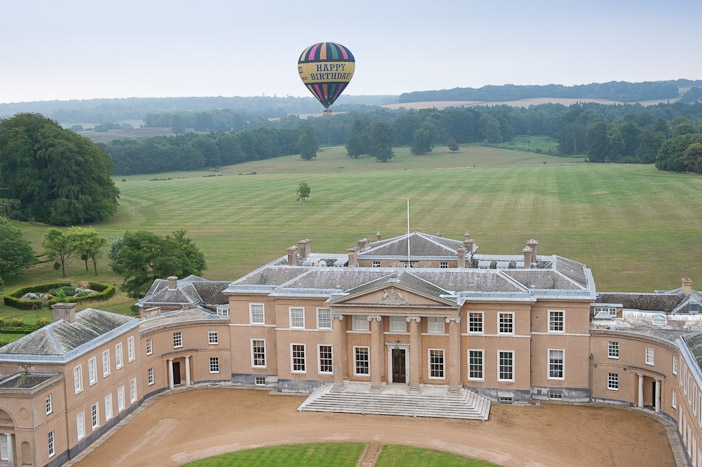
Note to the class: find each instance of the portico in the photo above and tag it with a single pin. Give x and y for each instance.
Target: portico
(396, 314)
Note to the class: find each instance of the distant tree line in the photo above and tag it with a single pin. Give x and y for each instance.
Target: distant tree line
(618, 91)
(194, 151)
(94, 111)
(630, 133)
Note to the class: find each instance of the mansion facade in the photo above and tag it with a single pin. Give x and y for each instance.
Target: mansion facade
(412, 311)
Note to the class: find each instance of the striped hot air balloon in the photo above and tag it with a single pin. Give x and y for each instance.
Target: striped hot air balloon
(326, 69)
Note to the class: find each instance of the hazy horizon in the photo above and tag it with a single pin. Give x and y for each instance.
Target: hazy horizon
(80, 50)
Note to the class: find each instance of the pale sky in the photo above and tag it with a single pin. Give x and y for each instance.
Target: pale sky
(73, 49)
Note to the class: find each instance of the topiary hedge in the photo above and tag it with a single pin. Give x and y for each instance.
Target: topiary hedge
(14, 300)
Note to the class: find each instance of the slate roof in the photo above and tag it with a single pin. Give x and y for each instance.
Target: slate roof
(61, 341)
(27, 380)
(178, 317)
(402, 278)
(543, 279)
(555, 277)
(461, 280)
(334, 278)
(421, 246)
(191, 290)
(272, 276)
(694, 342)
(642, 301)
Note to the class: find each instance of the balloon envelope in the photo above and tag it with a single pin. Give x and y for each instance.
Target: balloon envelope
(326, 69)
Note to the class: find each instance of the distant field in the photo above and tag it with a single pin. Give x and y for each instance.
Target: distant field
(107, 136)
(638, 229)
(517, 103)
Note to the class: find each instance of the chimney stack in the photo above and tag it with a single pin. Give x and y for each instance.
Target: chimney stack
(353, 259)
(378, 236)
(533, 244)
(468, 242)
(172, 282)
(461, 257)
(304, 246)
(527, 257)
(362, 243)
(292, 256)
(64, 311)
(686, 286)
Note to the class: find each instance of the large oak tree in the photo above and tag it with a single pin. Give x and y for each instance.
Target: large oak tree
(142, 257)
(57, 176)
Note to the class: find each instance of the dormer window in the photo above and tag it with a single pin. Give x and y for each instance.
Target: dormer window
(658, 319)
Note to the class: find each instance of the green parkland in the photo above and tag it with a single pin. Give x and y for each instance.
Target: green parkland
(638, 229)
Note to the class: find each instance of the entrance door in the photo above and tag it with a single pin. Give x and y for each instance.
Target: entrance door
(399, 374)
(176, 373)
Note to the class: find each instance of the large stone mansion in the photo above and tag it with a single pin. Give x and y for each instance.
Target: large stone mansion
(416, 311)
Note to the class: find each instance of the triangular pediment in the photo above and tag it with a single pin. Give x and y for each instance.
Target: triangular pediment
(402, 290)
(419, 244)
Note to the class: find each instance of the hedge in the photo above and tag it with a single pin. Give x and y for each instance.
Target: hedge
(12, 299)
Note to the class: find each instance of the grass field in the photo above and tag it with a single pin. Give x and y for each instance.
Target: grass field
(337, 455)
(637, 228)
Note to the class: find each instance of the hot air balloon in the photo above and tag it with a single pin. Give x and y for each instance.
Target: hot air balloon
(326, 69)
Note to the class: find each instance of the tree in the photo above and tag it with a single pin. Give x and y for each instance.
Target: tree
(303, 192)
(405, 126)
(308, 143)
(59, 247)
(452, 145)
(490, 128)
(682, 126)
(88, 244)
(380, 138)
(144, 257)
(572, 138)
(424, 139)
(15, 252)
(357, 139)
(615, 144)
(692, 158)
(596, 142)
(177, 124)
(58, 177)
(670, 154)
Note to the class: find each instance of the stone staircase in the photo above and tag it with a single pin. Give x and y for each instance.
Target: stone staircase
(430, 402)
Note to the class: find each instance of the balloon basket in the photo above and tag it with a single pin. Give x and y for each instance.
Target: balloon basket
(326, 112)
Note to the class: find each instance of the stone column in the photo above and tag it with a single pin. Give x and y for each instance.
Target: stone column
(10, 448)
(187, 371)
(376, 351)
(339, 352)
(657, 397)
(454, 354)
(415, 353)
(640, 403)
(170, 373)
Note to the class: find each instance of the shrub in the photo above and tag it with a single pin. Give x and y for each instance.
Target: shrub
(2, 322)
(13, 298)
(41, 322)
(17, 322)
(65, 291)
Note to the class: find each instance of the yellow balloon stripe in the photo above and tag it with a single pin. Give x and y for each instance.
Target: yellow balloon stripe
(326, 72)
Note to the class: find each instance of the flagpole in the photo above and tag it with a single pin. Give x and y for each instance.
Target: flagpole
(408, 233)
